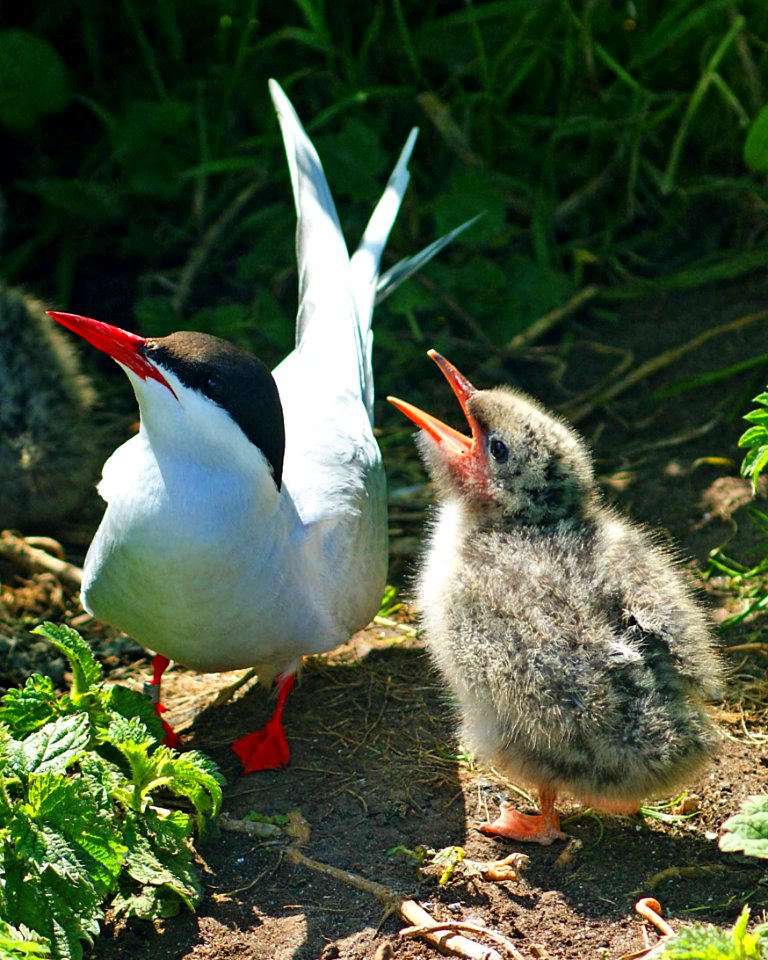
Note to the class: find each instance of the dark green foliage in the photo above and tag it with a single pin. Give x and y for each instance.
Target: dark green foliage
(604, 142)
(78, 824)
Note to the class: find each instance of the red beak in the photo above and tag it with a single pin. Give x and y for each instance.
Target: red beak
(456, 444)
(122, 345)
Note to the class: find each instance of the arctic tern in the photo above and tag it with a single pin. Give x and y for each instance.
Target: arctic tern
(246, 522)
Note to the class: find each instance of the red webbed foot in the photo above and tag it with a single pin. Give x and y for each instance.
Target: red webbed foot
(267, 749)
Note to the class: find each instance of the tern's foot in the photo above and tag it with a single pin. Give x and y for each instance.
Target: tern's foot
(152, 690)
(265, 749)
(540, 828)
(268, 749)
(170, 737)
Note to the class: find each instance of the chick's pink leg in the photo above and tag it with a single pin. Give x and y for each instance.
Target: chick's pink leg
(267, 749)
(540, 828)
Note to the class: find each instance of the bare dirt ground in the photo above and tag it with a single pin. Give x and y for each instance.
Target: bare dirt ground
(376, 764)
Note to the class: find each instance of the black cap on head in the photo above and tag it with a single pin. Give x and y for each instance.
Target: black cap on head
(232, 378)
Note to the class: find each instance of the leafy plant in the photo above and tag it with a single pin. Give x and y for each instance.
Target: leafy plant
(755, 441)
(747, 831)
(708, 942)
(79, 828)
(749, 581)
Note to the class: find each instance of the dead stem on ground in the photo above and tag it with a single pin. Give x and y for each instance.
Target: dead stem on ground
(662, 360)
(21, 552)
(446, 936)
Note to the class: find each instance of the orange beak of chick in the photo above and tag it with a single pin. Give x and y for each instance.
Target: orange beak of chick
(455, 444)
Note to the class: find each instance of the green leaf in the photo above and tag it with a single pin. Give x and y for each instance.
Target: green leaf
(466, 195)
(29, 707)
(754, 463)
(127, 703)
(159, 861)
(73, 836)
(758, 416)
(33, 79)
(707, 942)
(86, 671)
(18, 943)
(756, 144)
(196, 777)
(93, 202)
(75, 808)
(753, 437)
(56, 745)
(747, 831)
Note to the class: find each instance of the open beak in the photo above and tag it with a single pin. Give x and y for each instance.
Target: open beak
(455, 444)
(123, 346)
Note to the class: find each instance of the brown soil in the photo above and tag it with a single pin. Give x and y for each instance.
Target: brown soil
(376, 764)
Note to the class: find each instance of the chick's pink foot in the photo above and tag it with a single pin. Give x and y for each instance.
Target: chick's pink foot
(267, 749)
(540, 828)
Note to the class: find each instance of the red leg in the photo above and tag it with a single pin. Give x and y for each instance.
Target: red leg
(159, 666)
(541, 828)
(267, 749)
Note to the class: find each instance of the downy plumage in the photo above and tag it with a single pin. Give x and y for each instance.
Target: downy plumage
(577, 653)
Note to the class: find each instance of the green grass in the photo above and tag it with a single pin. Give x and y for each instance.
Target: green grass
(602, 142)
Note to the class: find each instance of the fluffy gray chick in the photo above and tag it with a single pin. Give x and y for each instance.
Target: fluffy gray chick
(49, 454)
(572, 642)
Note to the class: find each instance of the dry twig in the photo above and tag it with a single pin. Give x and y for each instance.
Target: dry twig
(454, 926)
(18, 551)
(422, 924)
(662, 360)
(550, 320)
(437, 934)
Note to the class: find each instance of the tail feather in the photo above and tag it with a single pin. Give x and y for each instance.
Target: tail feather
(341, 290)
(367, 258)
(323, 260)
(404, 269)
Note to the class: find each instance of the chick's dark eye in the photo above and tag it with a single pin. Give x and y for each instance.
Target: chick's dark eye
(213, 386)
(499, 450)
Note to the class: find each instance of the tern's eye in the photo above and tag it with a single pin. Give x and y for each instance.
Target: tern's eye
(499, 450)
(213, 387)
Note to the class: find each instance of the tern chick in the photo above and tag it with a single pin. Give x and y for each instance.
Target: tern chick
(579, 657)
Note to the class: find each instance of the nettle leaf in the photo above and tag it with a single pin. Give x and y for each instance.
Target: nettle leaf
(18, 943)
(26, 708)
(71, 807)
(747, 831)
(73, 836)
(703, 941)
(104, 778)
(127, 703)
(50, 892)
(86, 670)
(56, 745)
(160, 862)
(194, 776)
